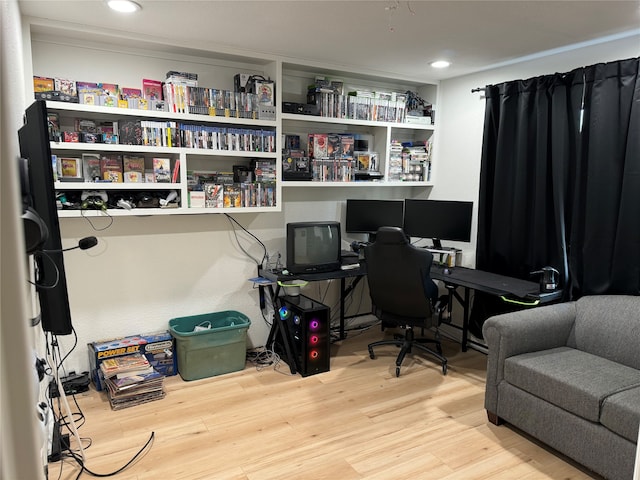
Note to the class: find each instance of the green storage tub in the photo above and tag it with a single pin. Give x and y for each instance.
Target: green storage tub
(209, 352)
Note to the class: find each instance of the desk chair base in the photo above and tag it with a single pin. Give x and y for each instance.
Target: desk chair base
(406, 344)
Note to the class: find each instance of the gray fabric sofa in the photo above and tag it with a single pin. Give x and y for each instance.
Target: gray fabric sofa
(568, 374)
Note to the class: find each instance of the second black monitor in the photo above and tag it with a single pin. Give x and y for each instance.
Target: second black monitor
(438, 220)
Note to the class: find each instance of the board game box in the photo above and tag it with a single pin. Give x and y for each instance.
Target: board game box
(158, 347)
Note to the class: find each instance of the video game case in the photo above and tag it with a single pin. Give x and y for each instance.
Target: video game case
(133, 169)
(43, 84)
(70, 167)
(213, 195)
(162, 170)
(91, 167)
(232, 197)
(111, 168)
(151, 89)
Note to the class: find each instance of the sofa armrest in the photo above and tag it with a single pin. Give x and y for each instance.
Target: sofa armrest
(530, 330)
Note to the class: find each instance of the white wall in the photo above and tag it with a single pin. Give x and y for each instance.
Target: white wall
(22, 442)
(460, 119)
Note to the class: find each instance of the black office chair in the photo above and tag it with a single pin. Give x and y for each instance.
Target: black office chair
(399, 284)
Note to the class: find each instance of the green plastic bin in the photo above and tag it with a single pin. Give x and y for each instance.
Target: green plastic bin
(214, 351)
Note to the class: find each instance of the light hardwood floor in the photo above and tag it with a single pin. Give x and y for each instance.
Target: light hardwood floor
(357, 421)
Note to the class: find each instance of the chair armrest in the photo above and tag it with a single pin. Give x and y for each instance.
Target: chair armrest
(530, 330)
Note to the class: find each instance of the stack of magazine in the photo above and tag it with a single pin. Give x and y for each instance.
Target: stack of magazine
(131, 380)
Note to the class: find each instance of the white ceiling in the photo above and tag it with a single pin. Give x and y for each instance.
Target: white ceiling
(390, 37)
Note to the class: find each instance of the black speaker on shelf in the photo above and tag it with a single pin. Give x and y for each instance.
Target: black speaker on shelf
(307, 323)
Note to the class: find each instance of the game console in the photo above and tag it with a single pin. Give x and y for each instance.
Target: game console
(75, 383)
(94, 200)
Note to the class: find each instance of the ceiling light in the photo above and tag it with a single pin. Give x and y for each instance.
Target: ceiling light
(440, 64)
(124, 6)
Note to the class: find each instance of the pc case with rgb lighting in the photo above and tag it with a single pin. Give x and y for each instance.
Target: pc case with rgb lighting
(307, 325)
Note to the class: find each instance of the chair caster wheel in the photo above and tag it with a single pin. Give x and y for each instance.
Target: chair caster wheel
(371, 355)
(444, 368)
(397, 371)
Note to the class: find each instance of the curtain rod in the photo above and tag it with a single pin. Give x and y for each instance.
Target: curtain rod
(478, 89)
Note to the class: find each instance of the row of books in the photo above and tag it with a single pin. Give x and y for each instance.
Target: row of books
(131, 380)
(235, 195)
(359, 107)
(94, 167)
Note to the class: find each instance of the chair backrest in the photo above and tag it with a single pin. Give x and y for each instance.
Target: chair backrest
(398, 273)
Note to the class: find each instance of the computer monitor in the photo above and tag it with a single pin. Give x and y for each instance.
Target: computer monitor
(438, 220)
(366, 216)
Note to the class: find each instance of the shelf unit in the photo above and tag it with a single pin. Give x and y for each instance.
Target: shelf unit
(296, 79)
(189, 158)
(127, 58)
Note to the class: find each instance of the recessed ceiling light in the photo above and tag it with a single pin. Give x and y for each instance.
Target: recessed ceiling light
(124, 6)
(440, 64)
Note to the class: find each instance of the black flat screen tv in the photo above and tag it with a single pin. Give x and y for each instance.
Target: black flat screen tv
(51, 281)
(438, 220)
(366, 216)
(313, 247)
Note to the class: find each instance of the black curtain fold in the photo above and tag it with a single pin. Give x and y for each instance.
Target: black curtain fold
(560, 181)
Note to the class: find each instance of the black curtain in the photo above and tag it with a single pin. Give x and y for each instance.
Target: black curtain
(560, 182)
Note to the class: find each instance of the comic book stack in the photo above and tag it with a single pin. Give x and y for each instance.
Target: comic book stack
(131, 380)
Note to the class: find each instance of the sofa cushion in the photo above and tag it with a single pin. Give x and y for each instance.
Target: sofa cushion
(621, 413)
(571, 379)
(608, 326)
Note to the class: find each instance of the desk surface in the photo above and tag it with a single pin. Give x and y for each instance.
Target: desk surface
(316, 277)
(486, 281)
(480, 280)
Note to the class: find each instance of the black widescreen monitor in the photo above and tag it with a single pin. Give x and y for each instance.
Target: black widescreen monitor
(438, 220)
(366, 216)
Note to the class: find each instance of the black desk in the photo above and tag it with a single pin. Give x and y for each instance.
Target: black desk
(510, 288)
(514, 289)
(341, 275)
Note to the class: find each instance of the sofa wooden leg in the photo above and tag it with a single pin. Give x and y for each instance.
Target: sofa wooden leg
(494, 418)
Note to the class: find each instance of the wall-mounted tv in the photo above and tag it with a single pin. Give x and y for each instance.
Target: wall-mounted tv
(313, 246)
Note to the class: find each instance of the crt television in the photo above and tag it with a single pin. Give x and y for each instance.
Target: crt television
(366, 216)
(313, 247)
(438, 220)
(51, 282)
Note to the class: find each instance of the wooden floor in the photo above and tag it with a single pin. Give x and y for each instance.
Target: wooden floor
(357, 421)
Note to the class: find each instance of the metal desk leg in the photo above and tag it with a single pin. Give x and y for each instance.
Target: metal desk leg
(342, 295)
(279, 327)
(465, 319)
